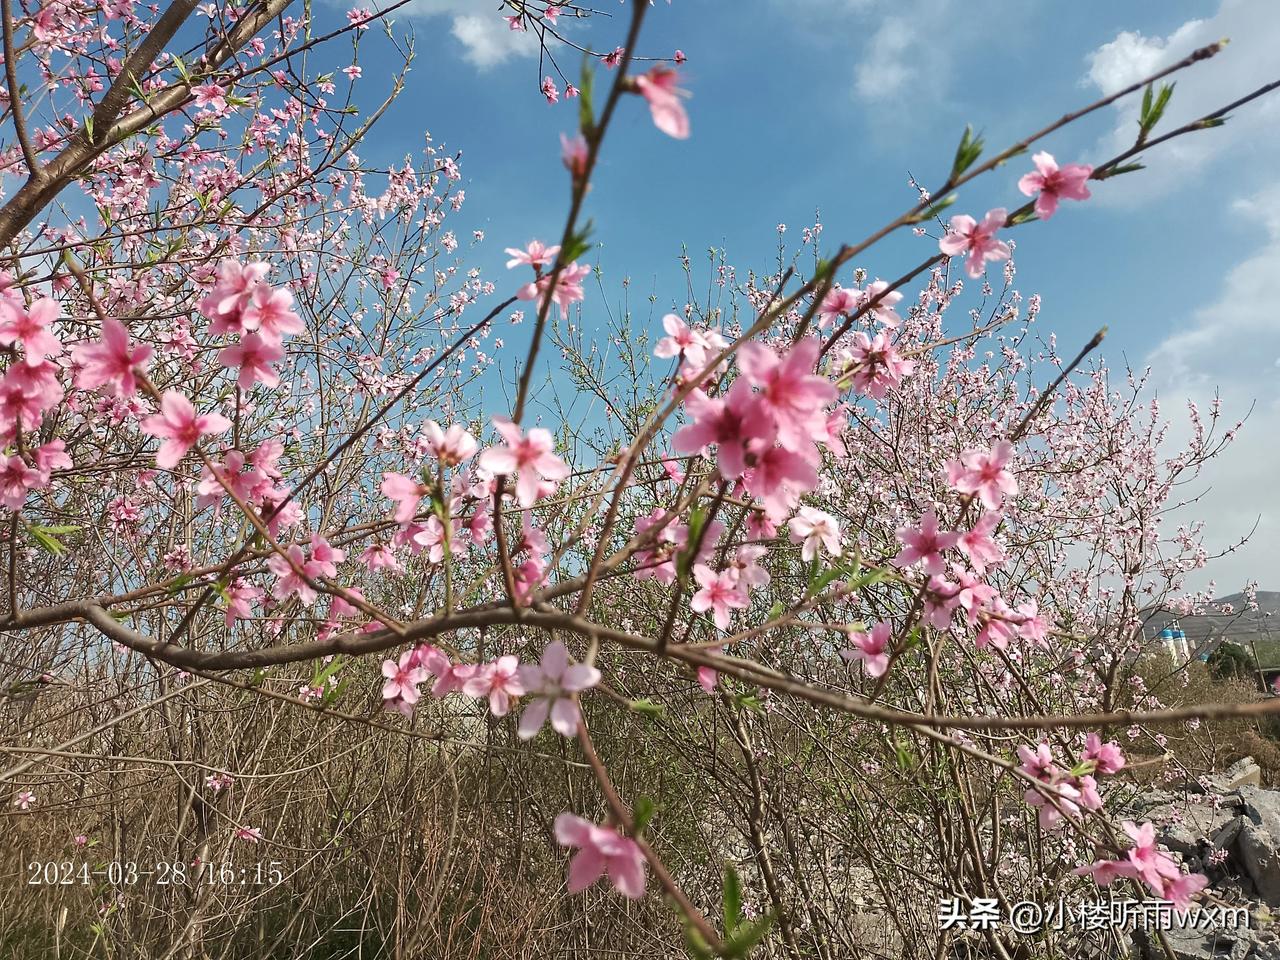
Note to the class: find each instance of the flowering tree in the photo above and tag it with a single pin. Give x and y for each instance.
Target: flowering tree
(860, 584)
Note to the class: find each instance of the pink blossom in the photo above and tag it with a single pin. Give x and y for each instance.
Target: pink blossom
(1107, 757)
(554, 682)
(254, 356)
(528, 455)
(179, 426)
(549, 90)
(17, 480)
(30, 328)
(1105, 872)
(499, 681)
(111, 362)
(871, 648)
(778, 477)
(379, 556)
(659, 88)
(249, 834)
(681, 340)
(838, 301)
(975, 240)
(719, 593)
(289, 580)
(451, 447)
(402, 678)
(270, 311)
(977, 544)
(237, 598)
(924, 545)
(745, 565)
(233, 287)
(406, 492)
(883, 310)
(536, 255)
(728, 422)
(568, 289)
(875, 366)
(813, 527)
(574, 155)
(1053, 183)
(790, 391)
(984, 473)
(601, 850)
(211, 95)
(25, 799)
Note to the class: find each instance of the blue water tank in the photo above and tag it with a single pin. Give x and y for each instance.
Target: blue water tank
(1166, 634)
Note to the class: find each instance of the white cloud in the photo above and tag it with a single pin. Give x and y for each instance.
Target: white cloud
(885, 67)
(1232, 345)
(1247, 63)
(478, 27)
(488, 40)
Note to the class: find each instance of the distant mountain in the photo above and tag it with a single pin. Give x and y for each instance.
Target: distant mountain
(1239, 625)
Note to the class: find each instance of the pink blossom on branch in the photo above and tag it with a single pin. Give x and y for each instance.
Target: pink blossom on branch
(499, 681)
(985, 474)
(872, 648)
(1049, 183)
(720, 593)
(528, 455)
(659, 88)
(812, 528)
(178, 425)
(554, 682)
(790, 391)
(568, 289)
(925, 544)
(111, 363)
(29, 328)
(537, 255)
(601, 851)
(254, 356)
(976, 240)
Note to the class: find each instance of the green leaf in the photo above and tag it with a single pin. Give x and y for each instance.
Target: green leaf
(868, 579)
(774, 612)
(905, 758)
(180, 581)
(324, 671)
(749, 933)
(695, 945)
(749, 701)
(933, 209)
(969, 150)
(334, 694)
(47, 539)
(684, 561)
(578, 244)
(648, 708)
(1153, 108)
(643, 812)
(732, 898)
(1122, 169)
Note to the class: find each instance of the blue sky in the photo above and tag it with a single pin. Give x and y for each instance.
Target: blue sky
(804, 105)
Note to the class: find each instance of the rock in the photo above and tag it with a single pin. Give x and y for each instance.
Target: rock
(1244, 772)
(1195, 945)
(1259, 841)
